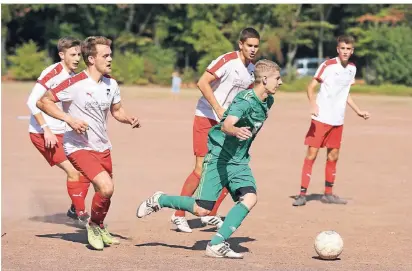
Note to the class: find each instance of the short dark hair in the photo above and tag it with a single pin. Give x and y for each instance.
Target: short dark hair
(346, 39)
(66, 43)
(248, 33)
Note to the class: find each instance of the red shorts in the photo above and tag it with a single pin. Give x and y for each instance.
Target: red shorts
(324, 135)
(91, 163)
(201, 127)
(53, 156)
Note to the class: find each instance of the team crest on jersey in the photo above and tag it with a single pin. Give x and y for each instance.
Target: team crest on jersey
(108, 92)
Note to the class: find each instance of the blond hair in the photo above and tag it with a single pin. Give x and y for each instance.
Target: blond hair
(264, 68)
(66, 43)
(89, 46)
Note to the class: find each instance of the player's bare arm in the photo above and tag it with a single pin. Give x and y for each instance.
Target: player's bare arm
(311, 92)
(207, 91)
(50, 139)
(229, 128)
(355, 107)
(48, 106)
(120, 115)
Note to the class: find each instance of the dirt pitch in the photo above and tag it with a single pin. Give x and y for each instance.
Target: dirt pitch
(372, 174)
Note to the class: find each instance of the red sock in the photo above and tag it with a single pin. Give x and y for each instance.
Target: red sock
(306, 175)
(85, 184)
(190, 186)
(100, 207)
(330, 172)
(75, 191)
(219, 201)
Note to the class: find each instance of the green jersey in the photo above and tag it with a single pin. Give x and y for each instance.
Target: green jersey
(252, 112)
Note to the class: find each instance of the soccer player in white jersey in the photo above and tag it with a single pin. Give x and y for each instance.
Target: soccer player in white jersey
(225, 77)
(46, 133)
(328, 111)
(92, 94)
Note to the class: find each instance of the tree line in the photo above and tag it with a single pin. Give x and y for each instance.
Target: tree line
(151, 41)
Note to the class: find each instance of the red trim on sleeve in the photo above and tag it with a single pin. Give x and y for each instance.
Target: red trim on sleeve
(55, 71)
(67, 83)
(324, 65)
(225, 59)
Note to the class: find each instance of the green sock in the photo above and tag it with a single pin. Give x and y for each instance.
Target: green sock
(177, 202)
(232, 221)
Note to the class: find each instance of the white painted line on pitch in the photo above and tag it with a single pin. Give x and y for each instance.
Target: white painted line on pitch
(23, 117)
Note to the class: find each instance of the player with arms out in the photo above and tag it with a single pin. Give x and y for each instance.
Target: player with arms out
(328, 111)
(46, 133)
(91, 94)
(227, 162)
(225, 77)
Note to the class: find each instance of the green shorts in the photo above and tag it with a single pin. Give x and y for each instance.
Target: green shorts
(217, 174)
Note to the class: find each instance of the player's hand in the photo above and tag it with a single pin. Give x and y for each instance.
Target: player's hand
(364, 114)
(220, 112)
(50, 139)
(314, 109)
(134, 122)
(243, 133)
(79, 126)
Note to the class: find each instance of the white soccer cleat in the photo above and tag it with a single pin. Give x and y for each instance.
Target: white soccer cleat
(222, 250)
(181, 223)
(212, 220)
(149, 206)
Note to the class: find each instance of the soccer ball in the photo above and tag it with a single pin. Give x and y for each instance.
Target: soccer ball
(328, 245)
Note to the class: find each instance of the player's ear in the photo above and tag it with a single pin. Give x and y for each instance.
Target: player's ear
(61, 55)
(264, 80)
(91, 59)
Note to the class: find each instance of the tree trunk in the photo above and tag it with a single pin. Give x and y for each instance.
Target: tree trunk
(4, 34)
(321, 29)
(130, 19)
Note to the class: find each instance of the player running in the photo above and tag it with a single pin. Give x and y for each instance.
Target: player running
(92, 94)
(328, 111)
(46, 133)
(225, 77)
(227, 162)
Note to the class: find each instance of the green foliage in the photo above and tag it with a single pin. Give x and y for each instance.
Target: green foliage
(392, 60)
(28, 62)
(127, 67)
(189, 76)
(159, 64)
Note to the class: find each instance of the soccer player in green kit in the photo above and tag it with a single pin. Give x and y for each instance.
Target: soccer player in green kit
(227, 162)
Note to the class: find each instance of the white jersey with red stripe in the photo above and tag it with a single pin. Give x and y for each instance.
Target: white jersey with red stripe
(336, 81)
(49, 78)
(90, 101)
(232, 76)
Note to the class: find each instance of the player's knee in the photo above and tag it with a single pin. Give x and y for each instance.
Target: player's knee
(73, 175)
(247, 196)
(106, 190)
(333, 155)
(312, 153)
(198, 168)
(203, 207)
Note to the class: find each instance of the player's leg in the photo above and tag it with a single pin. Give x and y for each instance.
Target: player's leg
(201, 127)
(242, 186)
(97, 168)
(192, 182)
(314, 140)
(56, 156)
(77, 188)
(333, 142)
(200, 205)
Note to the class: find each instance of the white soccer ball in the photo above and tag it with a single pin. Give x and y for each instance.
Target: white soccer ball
(328, 245)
